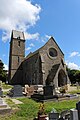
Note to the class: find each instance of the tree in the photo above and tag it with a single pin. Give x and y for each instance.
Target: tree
(77, 76)
(3, 74)
(71, 74)
(74, 75)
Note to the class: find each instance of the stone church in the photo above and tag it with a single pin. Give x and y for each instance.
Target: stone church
(45, 66)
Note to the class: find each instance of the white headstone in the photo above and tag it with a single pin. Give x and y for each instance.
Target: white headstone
(73, 114)
(1, 101)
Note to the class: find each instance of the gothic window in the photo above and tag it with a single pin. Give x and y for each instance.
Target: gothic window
(18, 40)
(18, 60)
(18, 43)
(52, 52)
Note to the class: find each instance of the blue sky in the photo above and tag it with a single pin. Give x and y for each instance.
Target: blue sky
(40, 19)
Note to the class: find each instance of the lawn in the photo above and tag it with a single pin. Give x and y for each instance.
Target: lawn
(75, 91)
(6, 86)
(29, 109)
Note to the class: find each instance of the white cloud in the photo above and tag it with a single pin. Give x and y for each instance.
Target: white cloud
(28, 48)
(72, 65)
(5, 67)
(5, 36)
(74, 54)
(17, 14)
(47, 36)
(32, 45)
(31, 36)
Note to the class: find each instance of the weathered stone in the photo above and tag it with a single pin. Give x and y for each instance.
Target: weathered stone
(65, 114)
(4, 108)
(30, 90)
(1, 101)
(16, 56)
(74, 114)
(1, 92)
(16, 91)
(53, 116)
(42, 67)
(48, 90)
(78, 108)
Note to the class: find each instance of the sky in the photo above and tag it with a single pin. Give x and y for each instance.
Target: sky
(40, 19)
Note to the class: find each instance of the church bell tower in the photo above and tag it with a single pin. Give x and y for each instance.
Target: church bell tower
(17, 52)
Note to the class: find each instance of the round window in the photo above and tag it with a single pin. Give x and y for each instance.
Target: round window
(52, 52)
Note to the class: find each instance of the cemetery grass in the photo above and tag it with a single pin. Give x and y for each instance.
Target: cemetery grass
(5, 86)
(29, 109)
(75, 91)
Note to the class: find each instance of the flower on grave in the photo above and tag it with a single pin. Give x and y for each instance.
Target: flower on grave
(41, 109)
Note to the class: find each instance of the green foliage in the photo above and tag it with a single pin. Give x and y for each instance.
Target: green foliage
(74, 75)
(75, 91)
(5, 86)
(77, 76)
(11, 103)
(3, 74)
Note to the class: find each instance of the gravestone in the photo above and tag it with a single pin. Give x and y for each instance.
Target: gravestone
(48, 90)
(1, 92)
(1, 101)
(61, 118)
(16, 91)
(78, 108)
(74, 114)
(4, 108)
(47, 94)
(65, 114)
(53, 116)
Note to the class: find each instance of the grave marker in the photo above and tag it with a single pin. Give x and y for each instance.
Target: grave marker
(78, 108)
(16, 91)
(53, 116)
(74, 114)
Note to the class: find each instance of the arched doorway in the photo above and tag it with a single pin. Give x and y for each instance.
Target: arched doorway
(62, 78)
